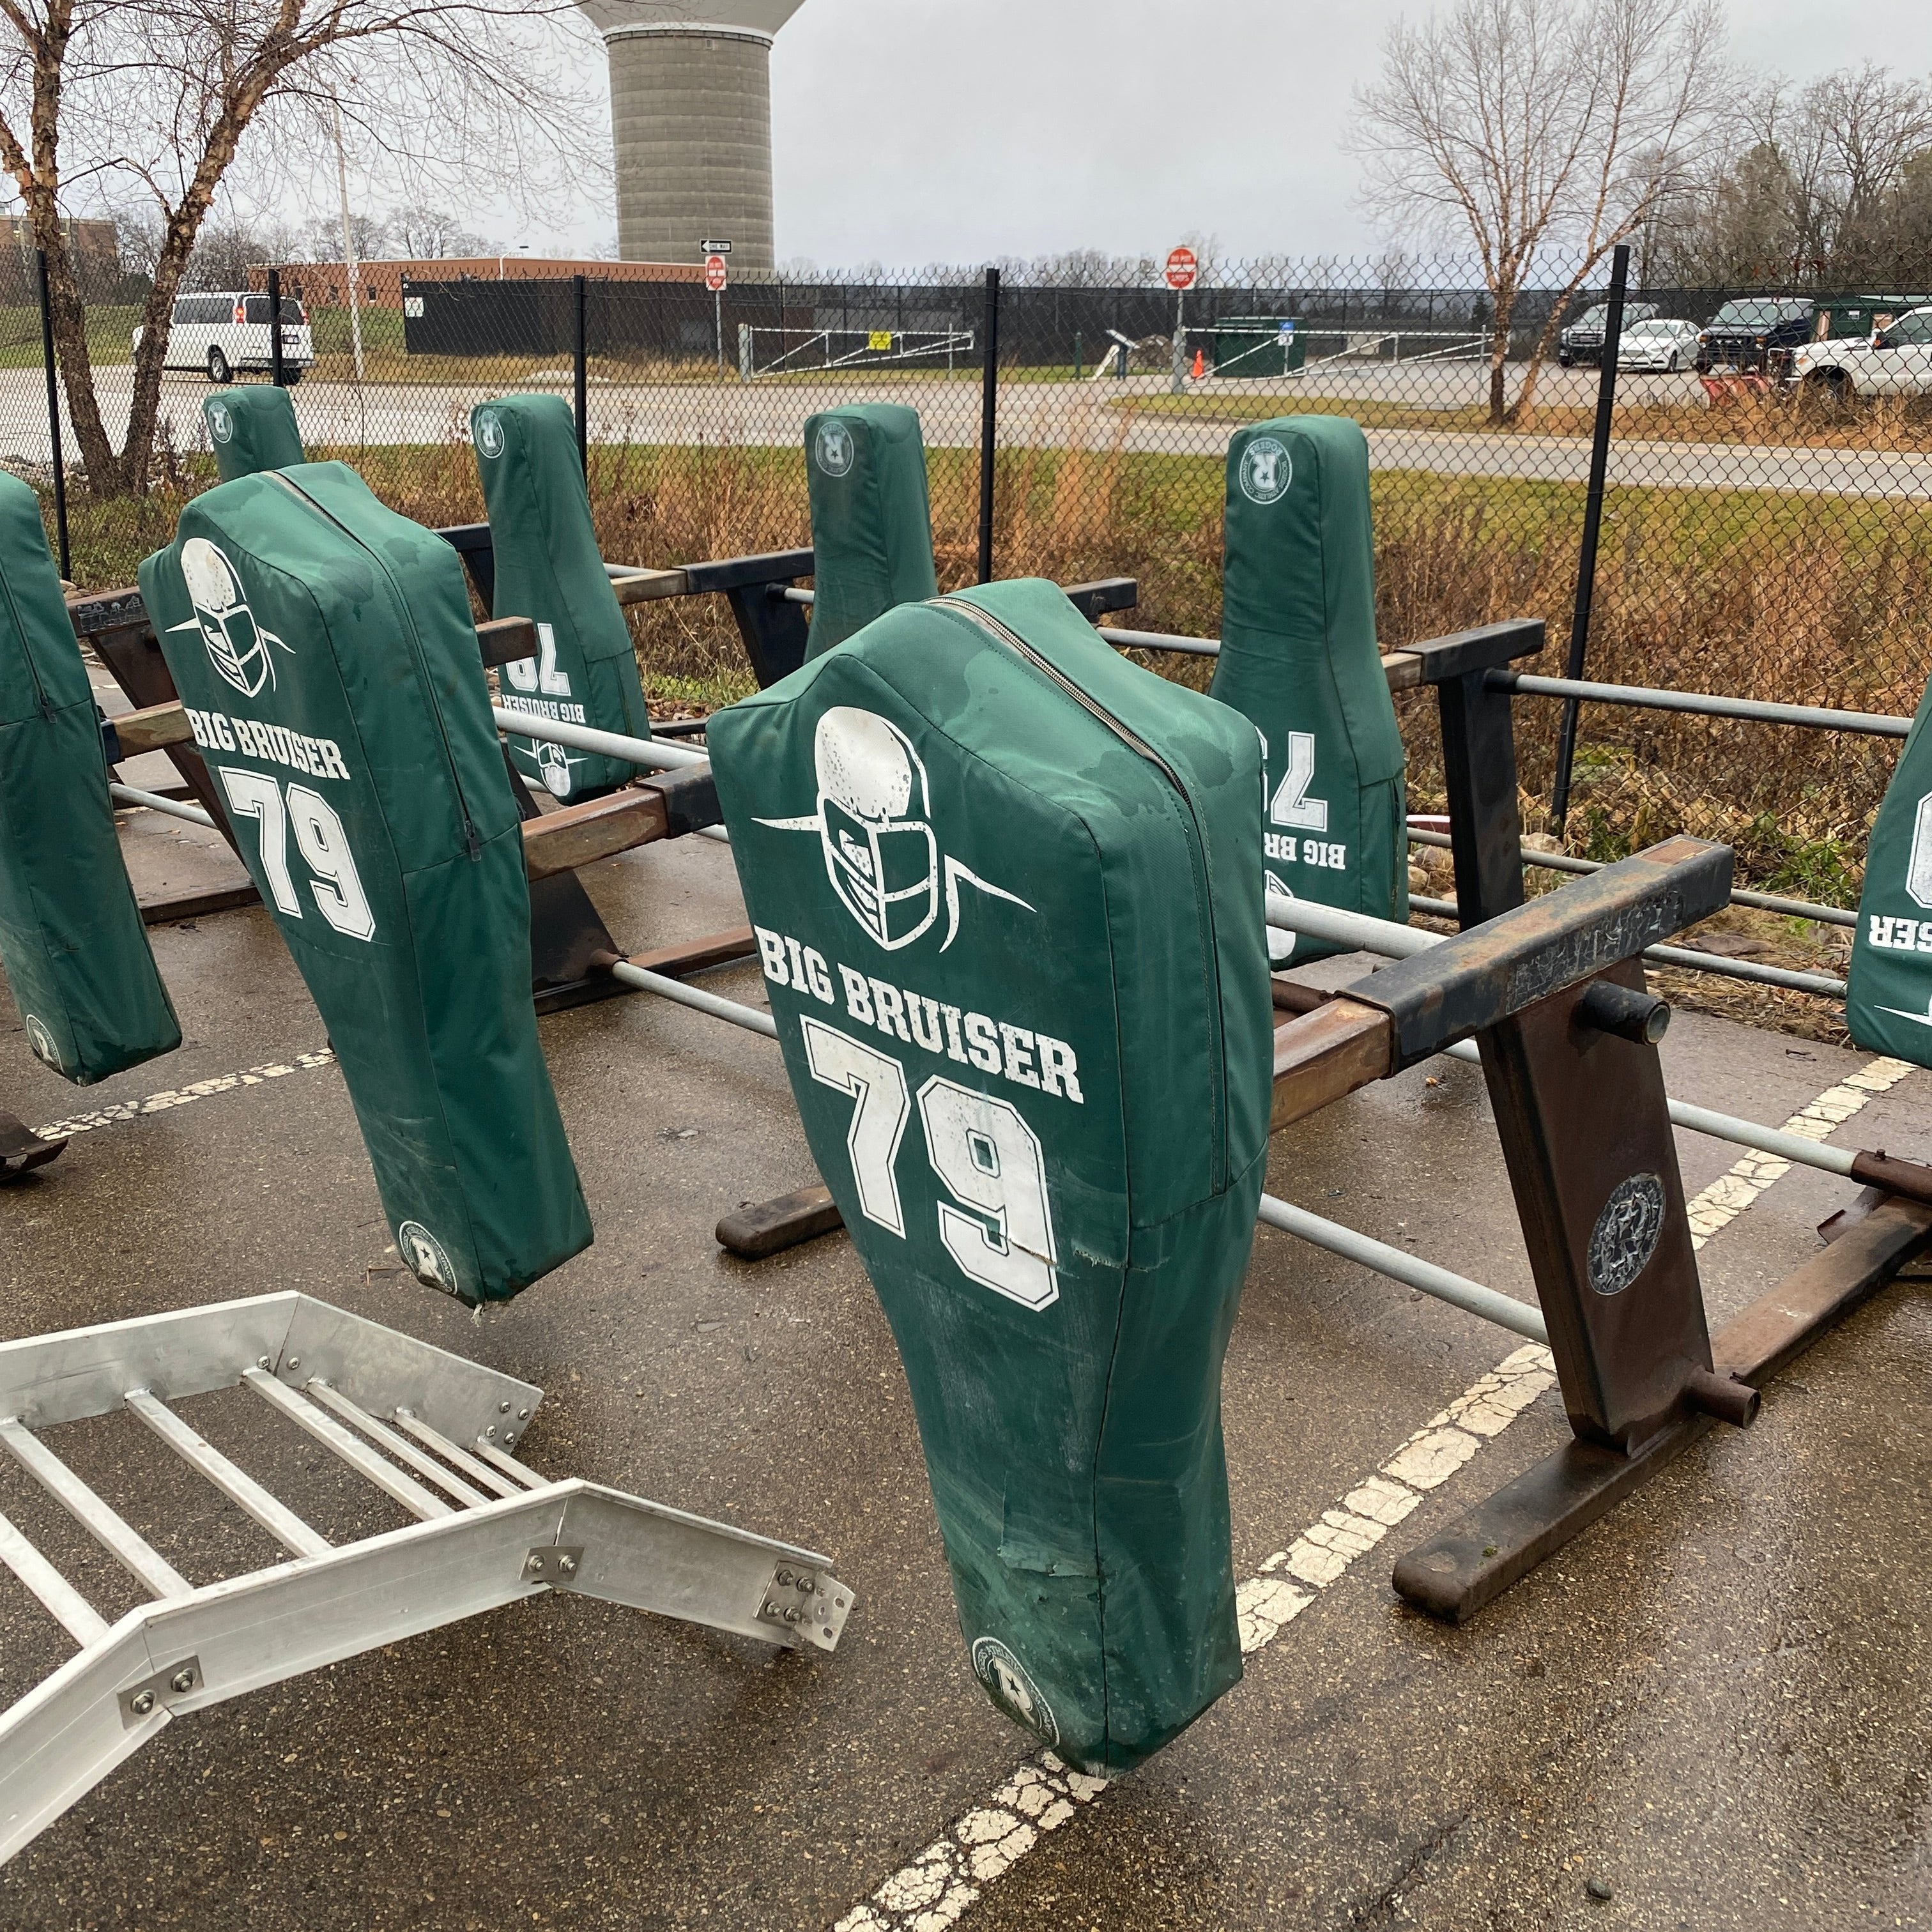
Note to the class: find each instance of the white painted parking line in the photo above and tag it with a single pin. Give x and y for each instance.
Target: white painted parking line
(182, 1096)
(1732, 1191)
(935, 1889)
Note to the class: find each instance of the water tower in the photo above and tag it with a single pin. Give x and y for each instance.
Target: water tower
(691, 116)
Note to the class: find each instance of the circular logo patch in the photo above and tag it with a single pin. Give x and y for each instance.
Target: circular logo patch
(42, 1042)
(490, 432)
(1626, 1233)
(832, 449)
(1266, 470)
(1009, 1687)
(221, 423)
(425, 1257)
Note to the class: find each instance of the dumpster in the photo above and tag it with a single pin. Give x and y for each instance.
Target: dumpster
(1259, 345)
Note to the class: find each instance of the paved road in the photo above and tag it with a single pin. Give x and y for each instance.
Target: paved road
(1052, 416)
(1717, 1706)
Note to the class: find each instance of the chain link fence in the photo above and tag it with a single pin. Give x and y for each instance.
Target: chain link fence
(1766, 532)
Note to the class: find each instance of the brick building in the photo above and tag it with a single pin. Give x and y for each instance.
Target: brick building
(325, 284)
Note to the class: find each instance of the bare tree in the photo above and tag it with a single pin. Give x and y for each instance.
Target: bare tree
(432, 235)
(1822, 185)
(155, 100)
(1526, 126)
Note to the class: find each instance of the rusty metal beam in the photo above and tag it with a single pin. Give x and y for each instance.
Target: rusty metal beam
(1477, 1557)
(561, 841)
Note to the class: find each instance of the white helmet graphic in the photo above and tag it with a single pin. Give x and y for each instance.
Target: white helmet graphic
(880, 854)
(237, 645)
(883, 863)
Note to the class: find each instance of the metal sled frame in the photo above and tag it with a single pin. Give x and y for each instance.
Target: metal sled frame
(490, 1531)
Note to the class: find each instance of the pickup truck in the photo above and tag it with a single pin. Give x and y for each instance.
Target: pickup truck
(1582, 340)
(1755, 334)
(1894, 360)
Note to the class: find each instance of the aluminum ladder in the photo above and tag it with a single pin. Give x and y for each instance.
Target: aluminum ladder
(431, 1430)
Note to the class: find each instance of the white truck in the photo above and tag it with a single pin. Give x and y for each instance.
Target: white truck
(1894, 360)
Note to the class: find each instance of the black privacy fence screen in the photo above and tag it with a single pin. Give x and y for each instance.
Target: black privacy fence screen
(1765, 527)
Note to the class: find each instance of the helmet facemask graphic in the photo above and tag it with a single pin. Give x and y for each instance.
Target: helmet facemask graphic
(883, 864)
(880, 854)
(238, 646)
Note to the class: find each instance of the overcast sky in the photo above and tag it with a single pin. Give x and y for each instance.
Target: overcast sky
(911, 130)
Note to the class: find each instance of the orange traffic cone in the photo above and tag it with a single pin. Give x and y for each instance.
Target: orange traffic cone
(1200, 364)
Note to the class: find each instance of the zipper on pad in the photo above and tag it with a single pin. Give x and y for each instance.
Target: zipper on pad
(1197, 855)
(472, 844)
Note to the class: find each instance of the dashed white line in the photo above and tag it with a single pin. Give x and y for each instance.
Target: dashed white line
(934, 1890)
(182, 1096)
(1733, 1191)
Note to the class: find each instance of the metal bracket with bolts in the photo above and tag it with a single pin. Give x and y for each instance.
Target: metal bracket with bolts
(813, 1603)
(554, 1564)
(140, 1701)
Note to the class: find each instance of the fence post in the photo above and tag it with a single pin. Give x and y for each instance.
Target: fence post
(277, 375)
(53, 423)
(580, 369)
(1593, 518)
(989, 417)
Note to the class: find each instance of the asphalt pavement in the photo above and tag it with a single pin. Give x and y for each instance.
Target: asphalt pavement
(1138, 414)
(1713, 1711)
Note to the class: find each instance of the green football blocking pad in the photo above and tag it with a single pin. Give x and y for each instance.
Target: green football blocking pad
(1298, 656)
(1889, 997)
(324, 651)
(1007, 893)
(251, 429)
(872, 521)
(549, 569)
(71, 940)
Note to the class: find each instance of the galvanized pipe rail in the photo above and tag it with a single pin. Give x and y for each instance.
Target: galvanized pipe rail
(1704, 704)
(153, 801)
(1361, 932)
(1566, 861)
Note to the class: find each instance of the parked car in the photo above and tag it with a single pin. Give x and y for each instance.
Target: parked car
(224, 335)
(1582, 341)
(1895, 360)
(1661, 343)
(1756, 333)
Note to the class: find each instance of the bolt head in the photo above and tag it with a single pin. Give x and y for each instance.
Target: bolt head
(523, 1415)
(142, 1703)
(782, 1579)
(536, 1563)
(567, 1564)
(794, 1615)
(181, 1681)
(262, 1361)
(295, 1361)
(491, 1430)
(503, 1408)
(805, 1586)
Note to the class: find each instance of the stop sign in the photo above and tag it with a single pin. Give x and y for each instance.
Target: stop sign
(714, 272)
(1182, 268)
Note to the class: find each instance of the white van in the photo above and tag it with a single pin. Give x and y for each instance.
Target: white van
(223, 335)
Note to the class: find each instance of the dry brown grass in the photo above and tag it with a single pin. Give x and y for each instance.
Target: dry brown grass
(1805, 600)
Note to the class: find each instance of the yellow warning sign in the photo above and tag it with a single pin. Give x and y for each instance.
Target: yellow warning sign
(880, 338)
